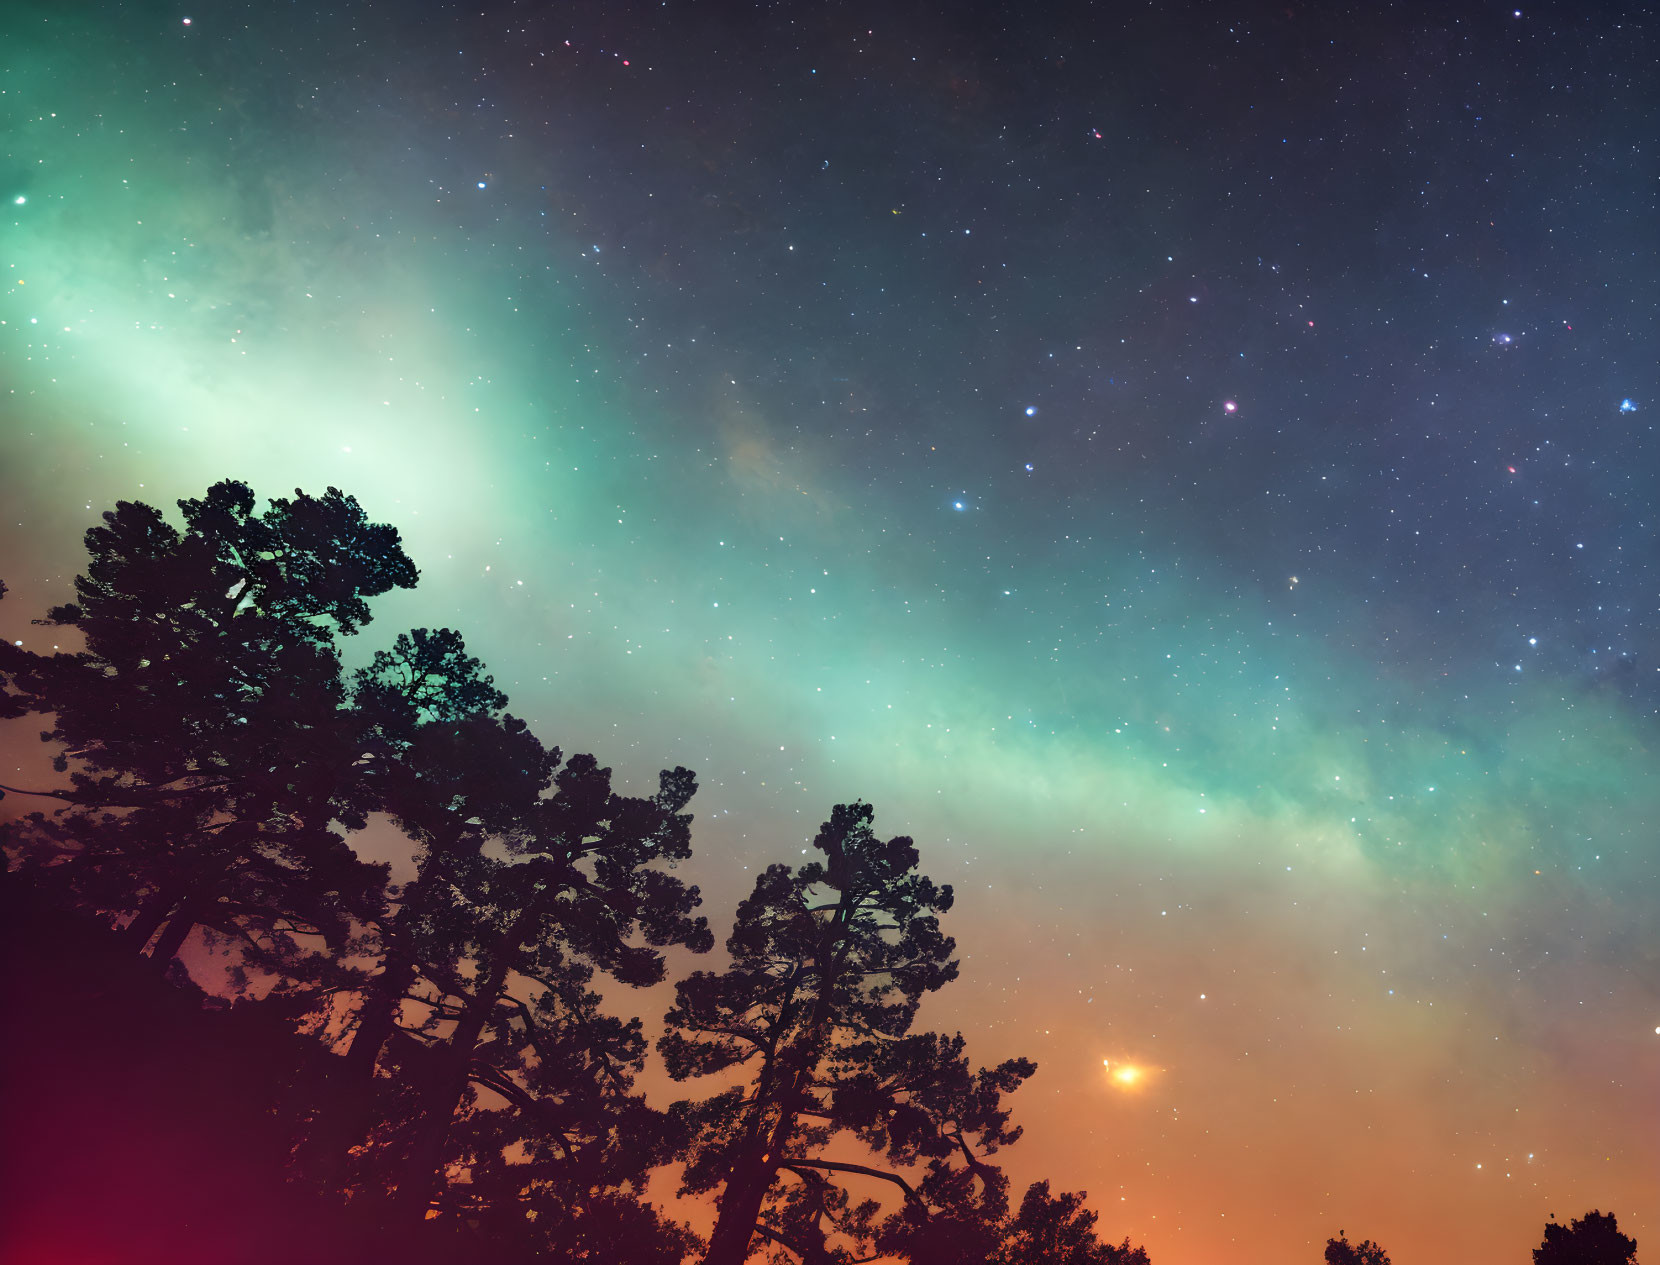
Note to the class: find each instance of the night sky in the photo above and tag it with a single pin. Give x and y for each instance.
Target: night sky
(1192, 467)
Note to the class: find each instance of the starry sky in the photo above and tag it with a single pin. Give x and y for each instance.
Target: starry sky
(1191, 466)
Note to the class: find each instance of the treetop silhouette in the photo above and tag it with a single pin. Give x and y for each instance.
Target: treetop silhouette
(1593, 1239)
(1340, 1251)
(1058, 1230)
(829, 964)
(193, 722)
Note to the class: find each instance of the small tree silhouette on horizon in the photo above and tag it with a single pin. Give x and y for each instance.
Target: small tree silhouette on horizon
(1340, 1251)
(1593, 1239)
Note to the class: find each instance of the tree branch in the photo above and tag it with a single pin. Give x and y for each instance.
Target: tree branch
(493, 1079)
(766, 1231)
(984, 1171)
(68, 796)
(835, 1166)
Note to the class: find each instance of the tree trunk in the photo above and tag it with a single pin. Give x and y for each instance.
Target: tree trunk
(746, 1191)
(379, 1017)
(345, 1113)
(172, 937)
(740, 1205)
(740, 1209)
(425, 1165)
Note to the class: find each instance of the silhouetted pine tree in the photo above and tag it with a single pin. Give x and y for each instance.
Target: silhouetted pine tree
(216, 759)
(202, 726)
(435, 754)
(528, 876)
(451, 771)
(566, 1153)
(582, 887)
(829, 964)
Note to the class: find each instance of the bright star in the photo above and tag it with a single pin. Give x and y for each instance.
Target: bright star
(1230, 406)
(1626, 405)
(1031, 410)
(1125, 1075)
